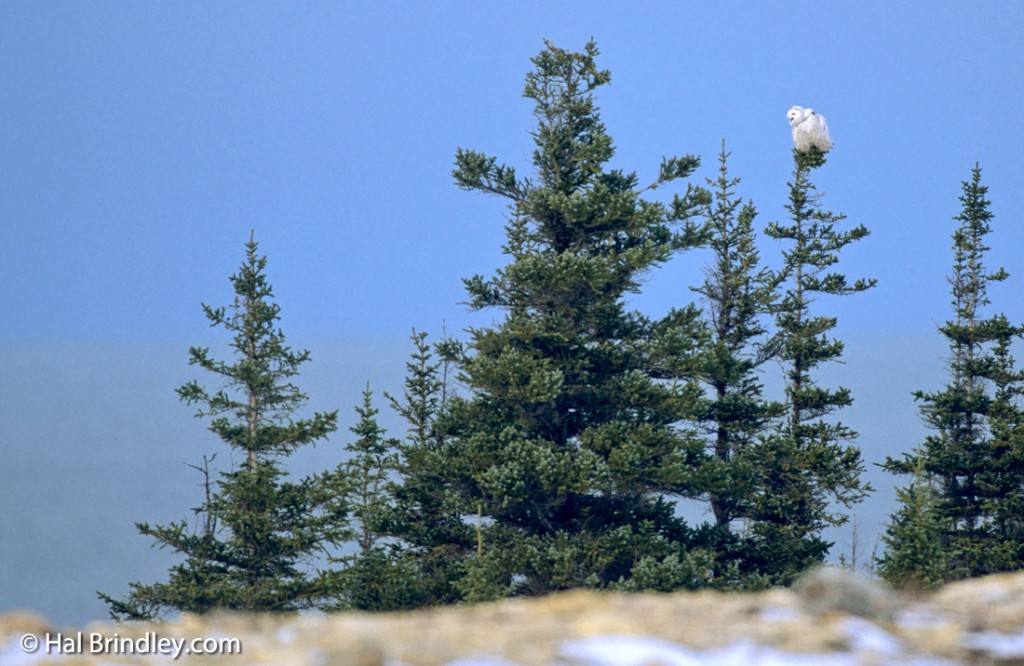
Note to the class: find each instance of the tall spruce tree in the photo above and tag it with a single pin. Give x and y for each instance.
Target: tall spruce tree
(258, 532)
(809, 464)
(738, 294)
(973, 464)
(562, 456)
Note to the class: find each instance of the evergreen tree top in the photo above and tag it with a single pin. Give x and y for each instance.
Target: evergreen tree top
(969, 279)
(592, 219)
(253, 411)
(572, 144)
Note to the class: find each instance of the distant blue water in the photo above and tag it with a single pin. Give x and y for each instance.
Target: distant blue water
(94, 440)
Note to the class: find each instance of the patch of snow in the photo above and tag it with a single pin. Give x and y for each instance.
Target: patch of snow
(626, 651)
(646, 651)
(286, 635)
(920, 616)
(869, 637)
(642, 651)
(780, 614)
(484, 660)
(13, 654)
(995, 644)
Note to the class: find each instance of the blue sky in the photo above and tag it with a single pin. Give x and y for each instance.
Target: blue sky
(141, 142)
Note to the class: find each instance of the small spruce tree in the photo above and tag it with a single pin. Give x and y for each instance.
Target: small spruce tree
(259, 534)
(369, 469)
(373, 575)
(808, 465)
(913, 538)
(427, 521)
(974, 457)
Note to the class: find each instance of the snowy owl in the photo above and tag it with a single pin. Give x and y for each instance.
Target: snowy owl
(809, 129)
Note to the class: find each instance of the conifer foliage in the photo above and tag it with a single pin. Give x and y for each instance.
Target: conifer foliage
(427, 520)
(964, 504)
(258, 532)
(808, 465)
(738, 295)
(553, 448)
(562, 455)
(373, 575)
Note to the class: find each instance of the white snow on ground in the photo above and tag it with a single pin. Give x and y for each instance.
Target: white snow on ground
(995, 644)
(639, 651)
(11, 654)
(868, 637)
(780, 614)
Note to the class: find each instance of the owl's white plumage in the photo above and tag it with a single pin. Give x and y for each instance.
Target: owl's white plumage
(809, 129)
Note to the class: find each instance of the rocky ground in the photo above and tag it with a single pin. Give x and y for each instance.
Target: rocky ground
(830, 618)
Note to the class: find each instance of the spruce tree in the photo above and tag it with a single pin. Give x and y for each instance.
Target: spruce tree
(913, 537)
(1001, 482)
(563, 456)
(369, 468)
(809, 463)
(426, 520)
(974, 457)
(258, 533)
(373, 575)
(398, 510)
(738, 294)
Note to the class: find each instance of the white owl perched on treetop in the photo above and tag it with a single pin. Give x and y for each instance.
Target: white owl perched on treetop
(809, 129)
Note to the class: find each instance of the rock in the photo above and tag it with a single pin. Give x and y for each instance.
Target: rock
(829, 589)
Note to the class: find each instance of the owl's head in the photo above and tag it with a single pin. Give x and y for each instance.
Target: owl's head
(796, 114)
